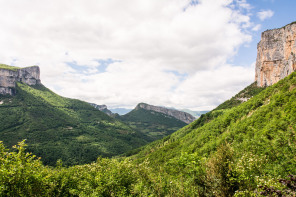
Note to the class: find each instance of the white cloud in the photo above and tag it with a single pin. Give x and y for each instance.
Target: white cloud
(256, 27)
(265, 14)
(153, 40)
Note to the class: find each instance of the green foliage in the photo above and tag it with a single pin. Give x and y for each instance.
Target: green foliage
(221, 176)
(261, 133)
(60, 128)
(21, 174)
(24, 175)
(155, 125)
(288, 188)
(246, 93)
(228, 152)
(6, 67)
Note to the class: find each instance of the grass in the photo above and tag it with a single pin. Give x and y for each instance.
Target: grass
(13, 68)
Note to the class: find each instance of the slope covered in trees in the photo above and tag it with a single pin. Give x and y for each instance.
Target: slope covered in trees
(154, 124)
(244, 151)
(60, 128)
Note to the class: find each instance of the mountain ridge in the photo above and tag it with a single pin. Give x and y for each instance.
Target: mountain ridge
(61, 128)
(183, 116)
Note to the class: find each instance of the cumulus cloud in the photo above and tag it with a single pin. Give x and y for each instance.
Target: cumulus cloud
(120, 53)
(265, 14)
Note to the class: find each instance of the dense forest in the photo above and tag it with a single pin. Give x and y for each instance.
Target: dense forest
(245, 149)
(61, 128)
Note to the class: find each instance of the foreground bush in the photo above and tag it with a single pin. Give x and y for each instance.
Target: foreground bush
(222, 174)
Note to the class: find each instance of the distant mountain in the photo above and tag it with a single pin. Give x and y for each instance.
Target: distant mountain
(253, 138)
(244, 147)
(155, 122)
(180, 115)
(120, 111)
(102, 108)
(56, 127)
(196, 114)
(111, 112)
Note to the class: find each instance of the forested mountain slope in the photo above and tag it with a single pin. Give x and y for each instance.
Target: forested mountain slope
(259, 134)
(242, 96)
(246, 150)
(60, 128)
(154, 124)
(268, 118)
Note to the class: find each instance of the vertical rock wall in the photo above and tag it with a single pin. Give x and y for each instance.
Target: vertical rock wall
(276, 55)
(8, 78)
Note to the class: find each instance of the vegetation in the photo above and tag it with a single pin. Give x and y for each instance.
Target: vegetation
(241, 151)
(6, 67)
(289, 188)
(246, 93)
(249, 92)
(62, 128)
(259, 136)
(154, 124)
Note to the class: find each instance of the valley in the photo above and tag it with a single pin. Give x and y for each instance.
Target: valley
(246, 146)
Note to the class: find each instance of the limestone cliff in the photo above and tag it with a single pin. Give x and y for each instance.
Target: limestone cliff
(10, 75)
(102, 108)
(183, 116)
(276, 55)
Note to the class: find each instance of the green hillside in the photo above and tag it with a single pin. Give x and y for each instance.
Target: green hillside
(13, 68)
(246, 150)
(248, 92)
(62, 128)
(256, 141)
(154, 124)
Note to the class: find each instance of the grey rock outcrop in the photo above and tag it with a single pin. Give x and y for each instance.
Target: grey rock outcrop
(102, 108)
(183, 116)
(8, 78)
(276, 55)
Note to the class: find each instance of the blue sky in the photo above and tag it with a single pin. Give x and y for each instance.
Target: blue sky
(174, 53)
(284, 13)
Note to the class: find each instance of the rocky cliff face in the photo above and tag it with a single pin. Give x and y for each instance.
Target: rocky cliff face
(102, 108)
(183, 116)
(276, 55)
(8, 78)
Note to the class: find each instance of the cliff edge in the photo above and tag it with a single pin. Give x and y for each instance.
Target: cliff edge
(103, 108)
(9, 75)
(276, 55)
(183, 116)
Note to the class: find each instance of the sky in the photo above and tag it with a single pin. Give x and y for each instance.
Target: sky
(192, 54)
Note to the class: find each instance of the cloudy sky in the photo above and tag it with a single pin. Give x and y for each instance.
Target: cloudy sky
(191, 54)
